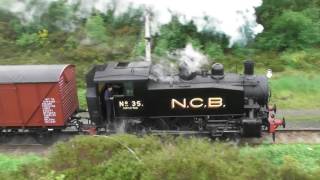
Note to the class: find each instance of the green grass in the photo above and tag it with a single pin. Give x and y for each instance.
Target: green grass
(296, 90)
(306, 155)
(9, 163)
(309, 118)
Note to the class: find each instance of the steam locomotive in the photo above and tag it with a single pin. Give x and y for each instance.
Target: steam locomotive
(208, 102)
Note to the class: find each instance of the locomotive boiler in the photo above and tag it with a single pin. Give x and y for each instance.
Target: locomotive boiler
(209, 102)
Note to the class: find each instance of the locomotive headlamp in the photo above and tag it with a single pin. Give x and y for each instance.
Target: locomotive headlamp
(269, 73)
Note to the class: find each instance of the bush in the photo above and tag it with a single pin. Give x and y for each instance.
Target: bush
(83, 54)
(95, 29)
(131, 157)
(85, 157)
(292, 170)
(214, 51)
(304, 59)
(291, 30)
(26, 40)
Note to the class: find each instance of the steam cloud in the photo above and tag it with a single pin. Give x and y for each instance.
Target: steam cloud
(234, 18)
(191, 59)
(188, 59)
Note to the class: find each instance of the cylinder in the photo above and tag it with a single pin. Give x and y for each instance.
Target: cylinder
(248, 67)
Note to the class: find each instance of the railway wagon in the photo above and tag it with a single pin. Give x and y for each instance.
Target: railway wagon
(37, 96)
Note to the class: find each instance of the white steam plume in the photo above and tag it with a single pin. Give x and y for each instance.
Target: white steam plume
(188, 59)
(191, 59)
(234, 18)
(26, 10)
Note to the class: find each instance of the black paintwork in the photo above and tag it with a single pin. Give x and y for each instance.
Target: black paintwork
(152, 97)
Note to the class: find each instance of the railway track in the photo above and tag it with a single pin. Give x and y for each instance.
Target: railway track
(293, 135)
(298, 130)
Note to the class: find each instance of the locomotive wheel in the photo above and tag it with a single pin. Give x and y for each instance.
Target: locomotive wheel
(182, 124)
(251, 130)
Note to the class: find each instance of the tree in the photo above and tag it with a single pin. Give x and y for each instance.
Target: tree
(172, 37)
(28, 40)
(214, 50)
(59, 16)
(95, 29)
(291, 30)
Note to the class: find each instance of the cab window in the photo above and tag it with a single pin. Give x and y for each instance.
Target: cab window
(128, 89)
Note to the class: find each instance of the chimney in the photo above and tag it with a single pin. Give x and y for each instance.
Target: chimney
(148, 36)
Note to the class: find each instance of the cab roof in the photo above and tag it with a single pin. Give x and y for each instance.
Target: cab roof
(124, 71)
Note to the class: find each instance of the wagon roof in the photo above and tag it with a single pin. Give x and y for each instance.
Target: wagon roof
(30, 73)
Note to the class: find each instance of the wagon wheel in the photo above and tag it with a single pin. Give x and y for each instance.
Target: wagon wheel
(4, 138)
(44, 137)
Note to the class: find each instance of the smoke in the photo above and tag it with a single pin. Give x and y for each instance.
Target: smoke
(86, 7)
(26, 10)
(234, 18)
(162, 72)
(188, 61)
(191, 59)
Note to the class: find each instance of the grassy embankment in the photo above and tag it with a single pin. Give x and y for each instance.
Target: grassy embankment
(129, 157)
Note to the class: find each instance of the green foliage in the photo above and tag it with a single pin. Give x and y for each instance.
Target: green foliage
(131, 157)
(131, 19)
(122, 166)
(172, 37)
(59, 17)
(76, 158)
(242, 52)
(214, 51)
(292, 170)
(11, 163)
(82, 98)
(71, 43)
(82, 54)
(289, 24)
(28, 40)
(295, 30)
(296, 90)
(139, 49)
(304, 59)
(307, 156)
(195, 43)
(161, 47)
(95, 29)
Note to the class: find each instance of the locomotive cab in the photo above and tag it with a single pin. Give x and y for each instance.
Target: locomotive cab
(128, 81)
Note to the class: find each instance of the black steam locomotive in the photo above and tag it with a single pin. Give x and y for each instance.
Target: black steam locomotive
(209, 102)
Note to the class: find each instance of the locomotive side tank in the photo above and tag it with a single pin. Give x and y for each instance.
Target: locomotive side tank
(210, 102)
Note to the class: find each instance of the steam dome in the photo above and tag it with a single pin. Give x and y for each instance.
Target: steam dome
(217, 71)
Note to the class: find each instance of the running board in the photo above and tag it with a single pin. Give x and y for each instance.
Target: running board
(211, 133)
